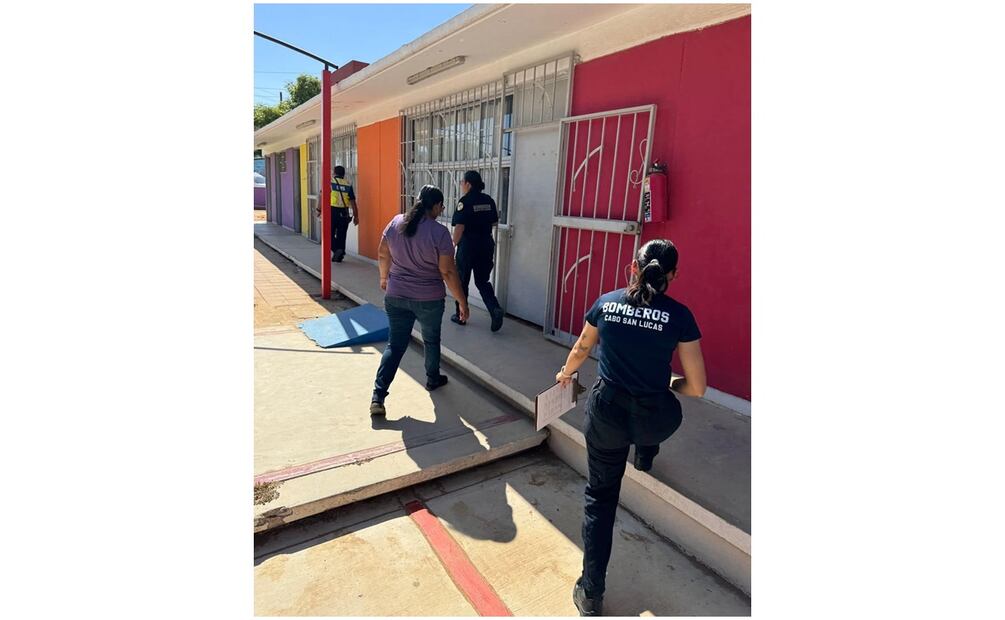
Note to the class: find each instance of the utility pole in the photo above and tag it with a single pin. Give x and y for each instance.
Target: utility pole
(326, 161)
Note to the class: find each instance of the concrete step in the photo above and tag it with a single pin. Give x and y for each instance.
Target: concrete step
(698, 493)
(511, 527)
(317, 447)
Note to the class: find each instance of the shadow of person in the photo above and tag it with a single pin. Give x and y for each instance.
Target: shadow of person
(449, 443)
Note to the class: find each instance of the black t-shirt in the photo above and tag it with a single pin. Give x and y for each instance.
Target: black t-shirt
(637, 342)
(477, 211)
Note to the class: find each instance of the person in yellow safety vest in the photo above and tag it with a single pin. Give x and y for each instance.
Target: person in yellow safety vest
(342, 199)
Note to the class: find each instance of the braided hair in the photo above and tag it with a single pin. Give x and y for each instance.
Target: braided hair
(655, 259)
(429, 196)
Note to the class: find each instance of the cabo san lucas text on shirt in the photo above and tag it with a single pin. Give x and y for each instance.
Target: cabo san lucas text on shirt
(637, 316)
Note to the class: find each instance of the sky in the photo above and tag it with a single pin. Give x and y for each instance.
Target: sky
(336, 32)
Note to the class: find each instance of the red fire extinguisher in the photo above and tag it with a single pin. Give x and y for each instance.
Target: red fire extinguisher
(654, 194)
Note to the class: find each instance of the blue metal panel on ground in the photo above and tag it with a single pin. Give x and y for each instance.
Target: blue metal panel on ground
(360, 325)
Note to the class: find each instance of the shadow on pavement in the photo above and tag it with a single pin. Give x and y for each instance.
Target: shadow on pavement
(451, 422)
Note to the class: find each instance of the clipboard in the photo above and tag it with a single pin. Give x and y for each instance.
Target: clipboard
(555, 401)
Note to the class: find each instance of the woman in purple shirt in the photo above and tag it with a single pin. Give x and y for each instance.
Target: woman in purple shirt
(416, 256)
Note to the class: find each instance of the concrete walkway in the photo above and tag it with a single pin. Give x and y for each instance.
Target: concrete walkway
(703, 471)
(514, 525)
(708, 460)
(316, 445)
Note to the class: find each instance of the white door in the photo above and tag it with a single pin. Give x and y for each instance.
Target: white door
(535, 169)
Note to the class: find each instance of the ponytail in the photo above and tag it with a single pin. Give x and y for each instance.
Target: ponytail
(656, 259)
(429, 196)
(475, 179)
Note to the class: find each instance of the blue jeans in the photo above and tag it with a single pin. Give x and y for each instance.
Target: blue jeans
(401, 315)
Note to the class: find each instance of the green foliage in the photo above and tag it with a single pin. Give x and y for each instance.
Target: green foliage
(301, 90)
(265, 114)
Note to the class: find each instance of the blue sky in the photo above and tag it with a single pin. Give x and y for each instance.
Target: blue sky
(337, 32)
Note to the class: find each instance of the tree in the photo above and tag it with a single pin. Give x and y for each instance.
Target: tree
(301, 90)
(265, 114)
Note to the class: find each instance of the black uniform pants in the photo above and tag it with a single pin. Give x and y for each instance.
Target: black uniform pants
(340, 229)
(614, 421)
(477, 257)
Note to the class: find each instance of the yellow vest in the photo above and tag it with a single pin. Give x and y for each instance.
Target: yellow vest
(340, 193)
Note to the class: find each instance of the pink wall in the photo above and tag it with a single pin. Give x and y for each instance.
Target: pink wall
(700, 83)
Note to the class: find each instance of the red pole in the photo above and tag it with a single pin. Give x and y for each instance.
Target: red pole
(326, 172)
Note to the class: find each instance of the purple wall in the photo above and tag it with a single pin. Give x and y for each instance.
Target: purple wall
(259, 197)
(286, 187)
(272, 185)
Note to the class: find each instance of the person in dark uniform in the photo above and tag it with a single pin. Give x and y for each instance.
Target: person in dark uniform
(632, 402)
(474, 219)
(342, 199)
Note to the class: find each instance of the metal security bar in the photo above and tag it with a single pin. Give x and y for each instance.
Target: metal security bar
(474, 130)
(344, 150)
(344, 153)
(541, 91)
(598, 211)
(447, 136)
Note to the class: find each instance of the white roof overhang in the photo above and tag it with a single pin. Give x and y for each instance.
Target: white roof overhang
(493, 39)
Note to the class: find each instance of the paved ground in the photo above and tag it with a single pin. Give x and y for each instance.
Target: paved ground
(708, 460)
(506, 533)
(316, 446)
(285, 294)
(512, 526)
(260, 215)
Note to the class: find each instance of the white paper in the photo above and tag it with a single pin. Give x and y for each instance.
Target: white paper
(555, 401)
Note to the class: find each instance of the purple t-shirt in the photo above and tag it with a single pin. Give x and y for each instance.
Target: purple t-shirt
(415, 261)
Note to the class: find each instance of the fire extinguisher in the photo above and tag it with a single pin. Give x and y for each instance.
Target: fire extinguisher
(655, 194)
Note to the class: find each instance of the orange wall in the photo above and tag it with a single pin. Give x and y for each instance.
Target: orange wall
(390, 173)
(379, 180)
(368, 186)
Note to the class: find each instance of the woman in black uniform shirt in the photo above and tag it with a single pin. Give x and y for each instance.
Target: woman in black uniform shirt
(631, 402)
(475, 217)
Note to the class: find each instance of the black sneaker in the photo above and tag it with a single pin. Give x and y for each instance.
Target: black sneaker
(456, 318)
(377, 409)
(643, 463)
(497, 318)
(586, 606)
(439, 382)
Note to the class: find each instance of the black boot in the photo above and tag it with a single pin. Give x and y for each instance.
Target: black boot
(497, 318)
(438, 382)
(586, 605)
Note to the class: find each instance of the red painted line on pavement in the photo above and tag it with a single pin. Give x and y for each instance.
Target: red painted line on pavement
(469, 581)
(367, 454)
